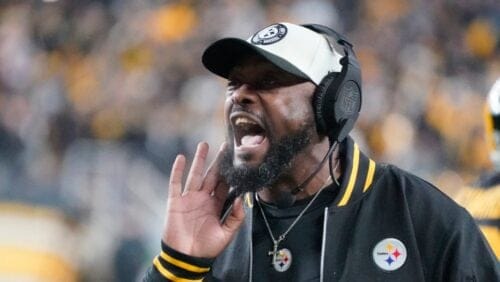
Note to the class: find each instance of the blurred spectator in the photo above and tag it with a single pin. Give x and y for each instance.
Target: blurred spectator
(98, 96)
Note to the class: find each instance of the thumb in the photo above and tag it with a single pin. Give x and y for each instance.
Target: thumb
(235, 219)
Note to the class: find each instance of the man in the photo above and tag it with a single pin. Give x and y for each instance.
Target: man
(269, 208)
(483, 199)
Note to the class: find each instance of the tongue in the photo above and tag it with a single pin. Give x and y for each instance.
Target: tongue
(252, 139)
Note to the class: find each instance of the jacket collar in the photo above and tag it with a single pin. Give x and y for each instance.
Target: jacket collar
(358, 174)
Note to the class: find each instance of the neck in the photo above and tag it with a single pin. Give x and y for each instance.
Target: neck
(284, 193)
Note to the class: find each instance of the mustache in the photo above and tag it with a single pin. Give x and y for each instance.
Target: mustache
(241, 109)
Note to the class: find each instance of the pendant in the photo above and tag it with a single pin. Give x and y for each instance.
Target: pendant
(282, 260)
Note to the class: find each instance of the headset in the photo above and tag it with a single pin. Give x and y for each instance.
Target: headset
(337, 100)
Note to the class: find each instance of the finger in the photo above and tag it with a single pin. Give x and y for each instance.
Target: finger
(195, 178)
(212, 176)
(235, 219)
(175, 182)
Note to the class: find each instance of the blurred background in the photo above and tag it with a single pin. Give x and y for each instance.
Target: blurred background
(97, 98)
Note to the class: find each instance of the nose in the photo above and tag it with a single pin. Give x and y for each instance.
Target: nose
(244, 95)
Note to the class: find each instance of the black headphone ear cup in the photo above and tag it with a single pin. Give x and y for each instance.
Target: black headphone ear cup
(337, 100)
(347, 107)
(323, 97)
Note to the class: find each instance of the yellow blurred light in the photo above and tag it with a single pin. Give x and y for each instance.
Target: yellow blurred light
(386, 11)
(480, 38)
(173, 22)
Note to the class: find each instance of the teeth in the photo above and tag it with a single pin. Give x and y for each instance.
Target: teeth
(243, 120)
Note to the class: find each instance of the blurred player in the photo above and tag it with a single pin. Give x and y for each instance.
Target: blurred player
(483, 199)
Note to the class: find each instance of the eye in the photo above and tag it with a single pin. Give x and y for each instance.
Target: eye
(268, 83)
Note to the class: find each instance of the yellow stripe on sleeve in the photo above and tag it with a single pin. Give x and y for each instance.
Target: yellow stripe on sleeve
(169, 275)
(183, 265)
(369, 175)
(352, 177)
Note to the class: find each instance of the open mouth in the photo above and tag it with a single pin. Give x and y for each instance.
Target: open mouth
(248, 132)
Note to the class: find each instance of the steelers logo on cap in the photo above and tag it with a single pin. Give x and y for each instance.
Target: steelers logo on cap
(269, 35)
(389, 254)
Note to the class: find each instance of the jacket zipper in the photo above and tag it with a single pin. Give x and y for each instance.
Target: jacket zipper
(250, 264)
(323, 247)
(251, 260)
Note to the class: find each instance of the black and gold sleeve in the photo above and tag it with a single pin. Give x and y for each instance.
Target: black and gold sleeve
(171, 265)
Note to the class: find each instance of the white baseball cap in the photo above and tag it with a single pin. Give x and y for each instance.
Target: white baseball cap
(293, 48)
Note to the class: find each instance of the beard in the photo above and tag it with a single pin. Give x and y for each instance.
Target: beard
(276, 163)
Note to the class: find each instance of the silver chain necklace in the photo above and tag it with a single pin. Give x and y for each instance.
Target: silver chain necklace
(282, 259)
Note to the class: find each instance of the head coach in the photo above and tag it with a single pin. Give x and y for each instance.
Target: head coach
(290, 196)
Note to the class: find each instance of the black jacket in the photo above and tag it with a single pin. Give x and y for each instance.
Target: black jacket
(440, 241)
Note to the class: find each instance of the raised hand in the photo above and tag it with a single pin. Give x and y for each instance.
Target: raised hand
(193, 224)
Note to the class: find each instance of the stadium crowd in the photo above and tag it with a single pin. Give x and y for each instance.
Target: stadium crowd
(97, 98)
